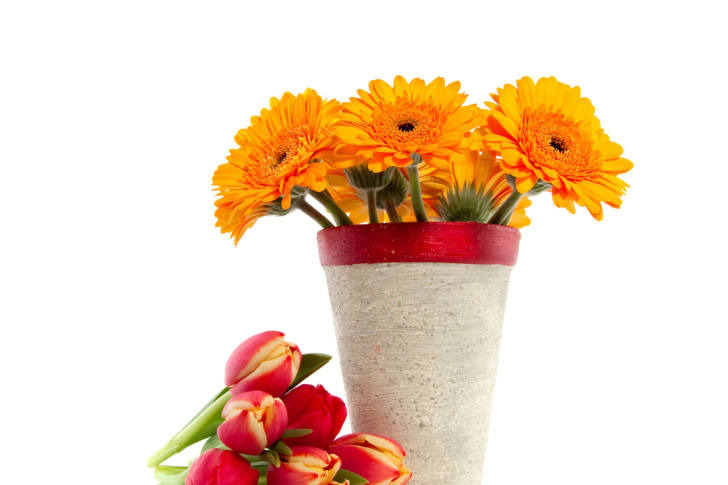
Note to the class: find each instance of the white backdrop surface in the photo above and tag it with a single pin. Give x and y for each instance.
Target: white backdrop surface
(120, 301)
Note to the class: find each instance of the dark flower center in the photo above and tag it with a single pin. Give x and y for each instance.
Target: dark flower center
(406, 127)
(280, 157)
(558, 144)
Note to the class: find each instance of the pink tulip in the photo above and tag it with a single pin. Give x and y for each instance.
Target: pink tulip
(221, 467)
(306, 466)
(315, 409)
(253, 420)
(264, 362)
(378, 459)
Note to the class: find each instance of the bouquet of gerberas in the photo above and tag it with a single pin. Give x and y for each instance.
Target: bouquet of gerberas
(265, 427)
(414, 152)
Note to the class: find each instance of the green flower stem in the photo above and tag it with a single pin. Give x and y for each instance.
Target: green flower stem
(416, 192)
(503, 214)
(392, 211)
(372, 206)
(338, 214)
(203, 426)
(311, 212)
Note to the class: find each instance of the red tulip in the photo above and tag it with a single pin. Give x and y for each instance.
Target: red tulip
(306, 466)
(264, 362)
(378, 459)
(315, 409)
(221, 467)
(253, 420)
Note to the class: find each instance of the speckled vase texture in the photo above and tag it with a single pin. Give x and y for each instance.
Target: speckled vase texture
(419, 346)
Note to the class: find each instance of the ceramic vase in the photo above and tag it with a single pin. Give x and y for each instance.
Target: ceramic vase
(418, 312)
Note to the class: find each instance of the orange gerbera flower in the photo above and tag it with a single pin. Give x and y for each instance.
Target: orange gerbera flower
(548, 131)
(478, 188)
(275, 155)
(386, 125)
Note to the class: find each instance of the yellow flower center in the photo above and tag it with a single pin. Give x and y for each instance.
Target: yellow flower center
(558, 142)
(406, 123)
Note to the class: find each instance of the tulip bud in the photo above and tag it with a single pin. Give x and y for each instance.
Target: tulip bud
(378, 459)
(314, 408)
(253, 421)
(221, 467)
(306, 466)
(264, 362)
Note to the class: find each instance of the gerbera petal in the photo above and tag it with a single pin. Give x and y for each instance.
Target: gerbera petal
(507, 123)
(524, 184)
(383, 90)
(619, 165)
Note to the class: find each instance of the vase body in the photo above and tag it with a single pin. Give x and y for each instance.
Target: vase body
(418, 311)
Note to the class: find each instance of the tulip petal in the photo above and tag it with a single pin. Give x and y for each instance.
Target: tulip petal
(314, 408)
(251, 401)
(387, 444)
(276, 420)
(305, 466)
(294, 474)
(273, 376)
(221, 467)
(249, 355)
(309, 456)
(371, 464)
(243, 433)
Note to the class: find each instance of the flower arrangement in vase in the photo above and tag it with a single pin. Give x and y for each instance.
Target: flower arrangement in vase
(425, 196)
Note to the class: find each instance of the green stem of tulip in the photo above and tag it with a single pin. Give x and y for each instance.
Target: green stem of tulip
(372, 206)
(504, 213)
(336, 212)
(311, 212)
(416, 193)
(201, 427)
(392, 211)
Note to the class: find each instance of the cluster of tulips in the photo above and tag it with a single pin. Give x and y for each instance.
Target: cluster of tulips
(266, 428)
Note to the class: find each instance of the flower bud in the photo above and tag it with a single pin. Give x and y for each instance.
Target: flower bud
(397, 190)
(378, 459)
(253, 421)
(363, 179)
(306, 466)
(314, 408)
(221, 467)
(264, 362)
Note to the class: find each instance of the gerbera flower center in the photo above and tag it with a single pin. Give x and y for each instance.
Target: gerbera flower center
(280, 153)
(558, 142)
(406, 123)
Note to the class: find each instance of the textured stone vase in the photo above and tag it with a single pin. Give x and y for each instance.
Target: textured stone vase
(418, 311)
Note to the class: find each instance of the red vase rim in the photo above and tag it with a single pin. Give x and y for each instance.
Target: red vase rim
(419, 242)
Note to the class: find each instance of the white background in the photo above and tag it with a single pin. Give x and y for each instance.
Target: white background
(121, 301)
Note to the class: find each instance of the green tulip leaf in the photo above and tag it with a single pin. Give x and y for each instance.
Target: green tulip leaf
(281, 448)
(217, 396)
(170, 475)
(201, 427)
(295, 433)
(268, 456)
(353, 478)
(310, 363)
